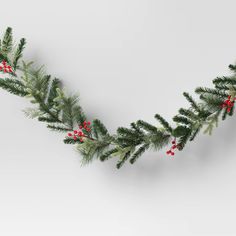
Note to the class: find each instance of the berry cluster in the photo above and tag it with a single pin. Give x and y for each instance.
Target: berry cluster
(173, 147)
(228, 104)
(79, 134)
(5, 67)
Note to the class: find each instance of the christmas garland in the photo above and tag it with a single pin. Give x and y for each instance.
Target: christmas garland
(62, 112)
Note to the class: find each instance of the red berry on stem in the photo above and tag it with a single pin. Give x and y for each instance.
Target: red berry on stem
(70, 134)
(75, 138)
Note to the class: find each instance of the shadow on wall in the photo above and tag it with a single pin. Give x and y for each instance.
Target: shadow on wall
(201, 154)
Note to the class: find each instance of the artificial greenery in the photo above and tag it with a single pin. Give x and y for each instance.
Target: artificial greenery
(62, 112)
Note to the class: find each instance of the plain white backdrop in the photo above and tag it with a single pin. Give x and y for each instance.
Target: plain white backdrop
(129, 59)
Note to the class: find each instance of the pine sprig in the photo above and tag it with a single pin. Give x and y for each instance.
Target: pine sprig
(14, 87)
(219, 93)
(146, 126)
(99, 129)
(59, 128)
(193, 103)
(18, 53)
(108, 154)
(7, 44)
(164, 123)
(139, 153)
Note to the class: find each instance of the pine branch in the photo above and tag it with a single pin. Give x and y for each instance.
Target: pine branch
(127, 132)
(91, 149)
(188, 113)
(183, 140)
(182, 120)
(52, 94)
(46, 119)
(99, 129)
(158, 140)
(139, 153)
(7, 42)
(212, 122)
(202, 90)
(45, 108)
(164, 123)
(14, 87)
(19, 53)
(105, 156)
(212, 102)
(146, 126)
(58, 128)
(123, 160)
(194, 134)
(137, 129)
(194, 105)
(225, 81)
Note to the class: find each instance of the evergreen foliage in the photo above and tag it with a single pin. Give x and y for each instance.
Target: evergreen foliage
(62, 112)
(6, 45)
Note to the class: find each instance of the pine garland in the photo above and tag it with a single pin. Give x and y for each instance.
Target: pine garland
(62, 112)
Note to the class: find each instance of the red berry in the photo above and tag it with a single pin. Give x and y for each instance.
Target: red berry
(81, 140)
(88, 129)
(70, 134)
(85, 123)
(89, 123)
(75, 138)
(168, 152)
(174, 146)
(75, 132)
(81, 127)
(173, 142)
(172, 153)
(80, 133)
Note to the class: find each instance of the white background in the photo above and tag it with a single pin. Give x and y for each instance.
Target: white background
(128, 59)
